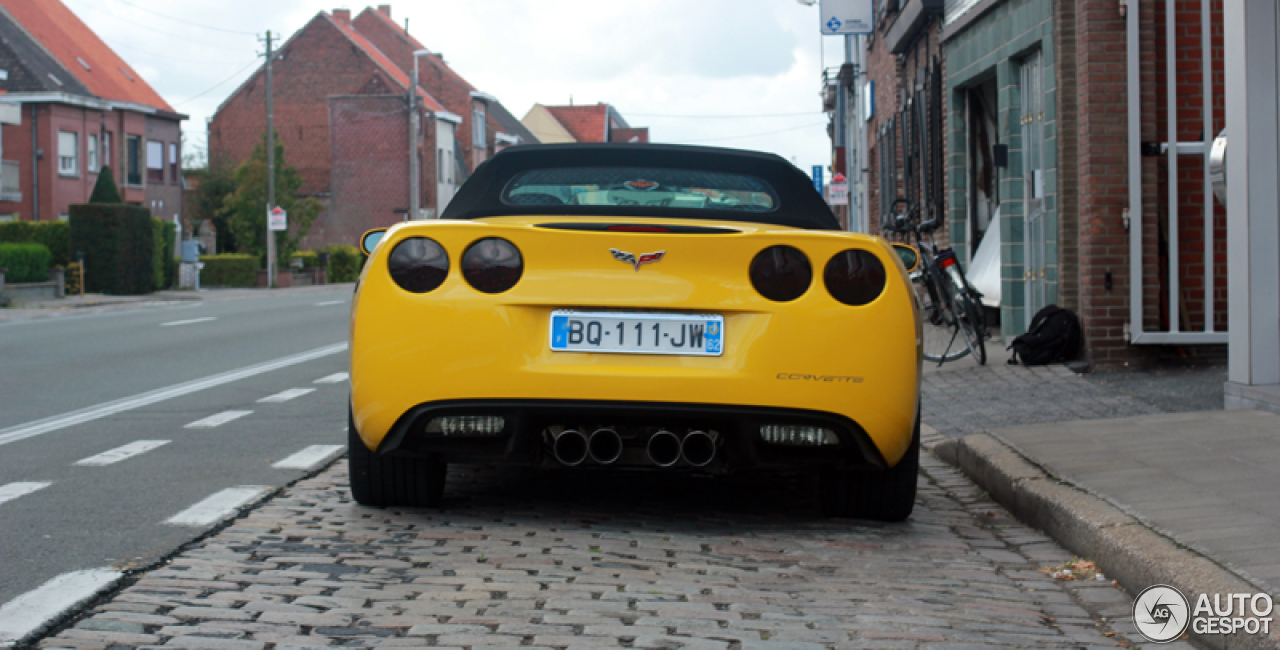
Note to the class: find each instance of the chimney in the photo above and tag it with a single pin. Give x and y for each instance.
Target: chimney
(385, 10)
(342, 15)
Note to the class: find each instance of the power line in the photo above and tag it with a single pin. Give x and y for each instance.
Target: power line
(185, 38)
(217, 85)
(721, 117)
(753, 135)
(184, 22)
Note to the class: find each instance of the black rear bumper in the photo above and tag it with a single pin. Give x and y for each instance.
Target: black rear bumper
(525, 436)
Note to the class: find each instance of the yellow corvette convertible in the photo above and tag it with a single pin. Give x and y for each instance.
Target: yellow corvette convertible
(642, 306)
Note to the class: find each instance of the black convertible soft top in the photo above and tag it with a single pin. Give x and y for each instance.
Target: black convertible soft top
(798, 205)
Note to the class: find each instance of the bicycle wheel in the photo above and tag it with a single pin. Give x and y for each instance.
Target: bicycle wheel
(972, 325)
(939, 332)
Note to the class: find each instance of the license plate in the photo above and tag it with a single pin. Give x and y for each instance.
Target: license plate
(630, 333)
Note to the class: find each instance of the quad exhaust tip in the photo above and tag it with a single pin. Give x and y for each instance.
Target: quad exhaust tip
(605, 446)
(664, 448)
(570, 447)
(698, 448)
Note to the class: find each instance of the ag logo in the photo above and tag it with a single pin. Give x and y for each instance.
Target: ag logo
(1161, 614)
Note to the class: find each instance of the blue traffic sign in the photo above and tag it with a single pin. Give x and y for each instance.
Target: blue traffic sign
(817, 178)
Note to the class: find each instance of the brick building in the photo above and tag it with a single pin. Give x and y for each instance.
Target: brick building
(81, 107)
(341, 111)
(591, 123)
(1043, 163)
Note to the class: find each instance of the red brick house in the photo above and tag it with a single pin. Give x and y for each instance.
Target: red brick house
(477, 138)
(340, 102)
(591, 123)
(81, 108)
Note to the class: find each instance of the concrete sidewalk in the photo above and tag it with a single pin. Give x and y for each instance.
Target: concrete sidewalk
(1184, 499)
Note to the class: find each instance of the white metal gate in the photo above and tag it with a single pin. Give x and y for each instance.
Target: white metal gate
(1173, 149)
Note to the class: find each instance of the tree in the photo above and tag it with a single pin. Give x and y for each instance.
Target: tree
(245, 209)
(105, 190)
(213, 187)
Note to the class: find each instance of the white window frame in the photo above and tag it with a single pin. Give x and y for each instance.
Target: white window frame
(174, 170)
(68, 156)
(92, 143)
(158, 163)
(477, 127)
(106, 151)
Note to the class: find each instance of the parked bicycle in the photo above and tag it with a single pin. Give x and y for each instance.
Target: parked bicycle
(950, 306)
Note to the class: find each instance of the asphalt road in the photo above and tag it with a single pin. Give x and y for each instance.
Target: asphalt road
(129, 384)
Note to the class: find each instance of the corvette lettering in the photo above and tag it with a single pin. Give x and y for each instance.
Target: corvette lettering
(839, 379)
(630, 258)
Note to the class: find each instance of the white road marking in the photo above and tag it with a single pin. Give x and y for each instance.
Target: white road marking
(33, 611)
(330, 302)
(40, 427)
(218, 506)
(120, 453)
(310, 457)
(332, 379)
(12, 491)
(189, 321)
(217, 419)
(285, 395)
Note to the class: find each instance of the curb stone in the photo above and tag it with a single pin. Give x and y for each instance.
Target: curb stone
(1122, 545)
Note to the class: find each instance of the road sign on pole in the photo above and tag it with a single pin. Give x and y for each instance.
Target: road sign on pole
(847, 17)
(817, 178)
(838, 191)
(279, 219)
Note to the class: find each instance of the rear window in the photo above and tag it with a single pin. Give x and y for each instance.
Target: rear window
(641, 186)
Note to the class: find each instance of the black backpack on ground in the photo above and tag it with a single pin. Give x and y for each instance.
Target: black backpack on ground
(1054, 335)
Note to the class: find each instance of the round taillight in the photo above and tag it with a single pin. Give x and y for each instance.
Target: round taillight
(781, 273)
(418, 264)
(492, 265)
(854, 277)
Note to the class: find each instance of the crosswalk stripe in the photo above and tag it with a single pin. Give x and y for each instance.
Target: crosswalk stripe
(34, 610)
(218, 506)
(217, 419)
(332, 379)
(12, 491)
(121, 453)
(286, 395)
(309, 457)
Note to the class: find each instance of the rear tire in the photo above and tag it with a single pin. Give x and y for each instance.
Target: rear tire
(888, 495)
(382, 480)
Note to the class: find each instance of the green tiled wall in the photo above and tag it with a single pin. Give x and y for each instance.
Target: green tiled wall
(997, 42)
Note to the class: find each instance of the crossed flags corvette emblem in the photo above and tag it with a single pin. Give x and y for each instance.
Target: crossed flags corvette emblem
(630, 258)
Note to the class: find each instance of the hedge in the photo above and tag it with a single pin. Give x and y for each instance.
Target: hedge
(310, 259)
(229, 270)
(345, 263)
(118, 241)
(53, 234)
(163, 266)
(25, 262)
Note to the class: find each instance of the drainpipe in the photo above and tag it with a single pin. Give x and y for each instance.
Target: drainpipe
(35, 167)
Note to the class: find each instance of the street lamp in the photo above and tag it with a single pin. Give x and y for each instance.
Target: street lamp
(414, 172)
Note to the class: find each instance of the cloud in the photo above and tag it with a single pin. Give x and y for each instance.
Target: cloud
(652, 60)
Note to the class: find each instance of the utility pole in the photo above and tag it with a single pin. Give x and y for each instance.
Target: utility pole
(271, 172)
(414, 174)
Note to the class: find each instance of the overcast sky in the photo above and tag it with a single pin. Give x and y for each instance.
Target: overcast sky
(688, 69)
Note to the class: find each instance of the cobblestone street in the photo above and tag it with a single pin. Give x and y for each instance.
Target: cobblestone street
(576, 559)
